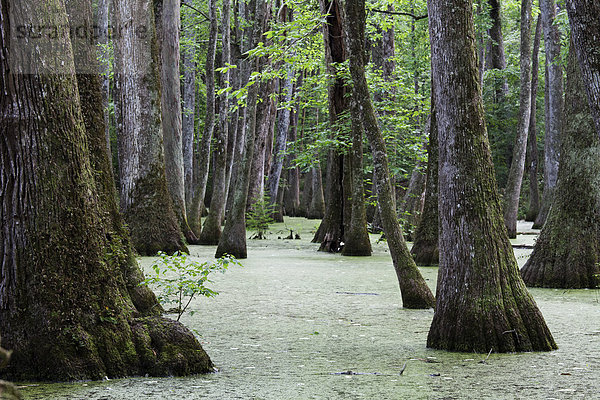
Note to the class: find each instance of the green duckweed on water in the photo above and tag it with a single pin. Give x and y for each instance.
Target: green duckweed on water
(297, 324)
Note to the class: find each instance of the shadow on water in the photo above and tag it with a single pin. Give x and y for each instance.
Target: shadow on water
(297, 324)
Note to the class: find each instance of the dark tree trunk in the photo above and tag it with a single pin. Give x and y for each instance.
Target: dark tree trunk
(145, 200)
(197, 205)
(532, 150)
(316, 207)
(482, 303)
(291, 200)
(415, 292)
(425, 248)
(211, 231)
(567, 252)
(61, 216)
(517, 166)
(357, 242)
(554, 106)
(331, 231)
(496, 58)
(412, 202)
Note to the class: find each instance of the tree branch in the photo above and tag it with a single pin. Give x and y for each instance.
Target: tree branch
(415, 17)
(195, 9)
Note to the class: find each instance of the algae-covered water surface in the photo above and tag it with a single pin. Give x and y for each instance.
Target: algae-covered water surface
(294, 323)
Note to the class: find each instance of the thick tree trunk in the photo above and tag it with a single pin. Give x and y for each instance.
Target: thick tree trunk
(170, 23)
(197, 207)
(532, 150)
(567, 252)
(425, 248)
(411, 206)
(482, 303)
(145, 201)
(415, 292)
(211, 231)
(189, 113)
(316, 208)
(357, 242)
(554, 106)
(584, 17)
(61, 216)
(517, 167)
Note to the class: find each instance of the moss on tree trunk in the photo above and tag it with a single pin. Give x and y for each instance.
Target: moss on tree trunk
(567, 252)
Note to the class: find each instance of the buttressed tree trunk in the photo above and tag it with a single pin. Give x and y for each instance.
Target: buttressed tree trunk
(584, 17)
(145, 200)
(517, 167)
(567, 252)
(532, 150)
(425, 248)
(170, 23)
(554, 106)
(482, 303)
(414, 290)
(65, 309)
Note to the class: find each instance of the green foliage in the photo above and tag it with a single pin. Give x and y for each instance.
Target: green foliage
(259, 217)
(180, 279)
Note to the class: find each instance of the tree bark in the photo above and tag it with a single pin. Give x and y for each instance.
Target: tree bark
(145, 201)
(517, 166)
(554, 106)
(197, 208)
(425, 248)
(482, 303)
(584, 17)
(233, 238)
(291, 200)
(412, 203)
(567, 252)
(414, 290)
(532, 150)
(189, 113)
(211, 231)
(496, 59)
(103, 17)
(65, 307)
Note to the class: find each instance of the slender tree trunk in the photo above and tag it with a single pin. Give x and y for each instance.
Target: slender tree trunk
(415, 292)
(82, 324)
(567, 252)
(233, 238)
(189, 113)
(211, 231)
(532, 150)
(316, 208)
(291, 201)
(517, 167)
(476, 259)
(145, 201)
(102, 20)
(554, 106)
(425, 248)
(197, 207)
(283, 126)
(411, 206)
(584, 17)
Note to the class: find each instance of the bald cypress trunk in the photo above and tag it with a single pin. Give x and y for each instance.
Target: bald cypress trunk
(73, 316)
(584, 17)
(425, 248)
(532, 150)
(554, 106)
(567, 252)
(145, 200)
(482, 303)
(188, 114)
(496, 59)
(414, 290)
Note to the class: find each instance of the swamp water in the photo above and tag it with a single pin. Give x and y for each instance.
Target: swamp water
(297, 324)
